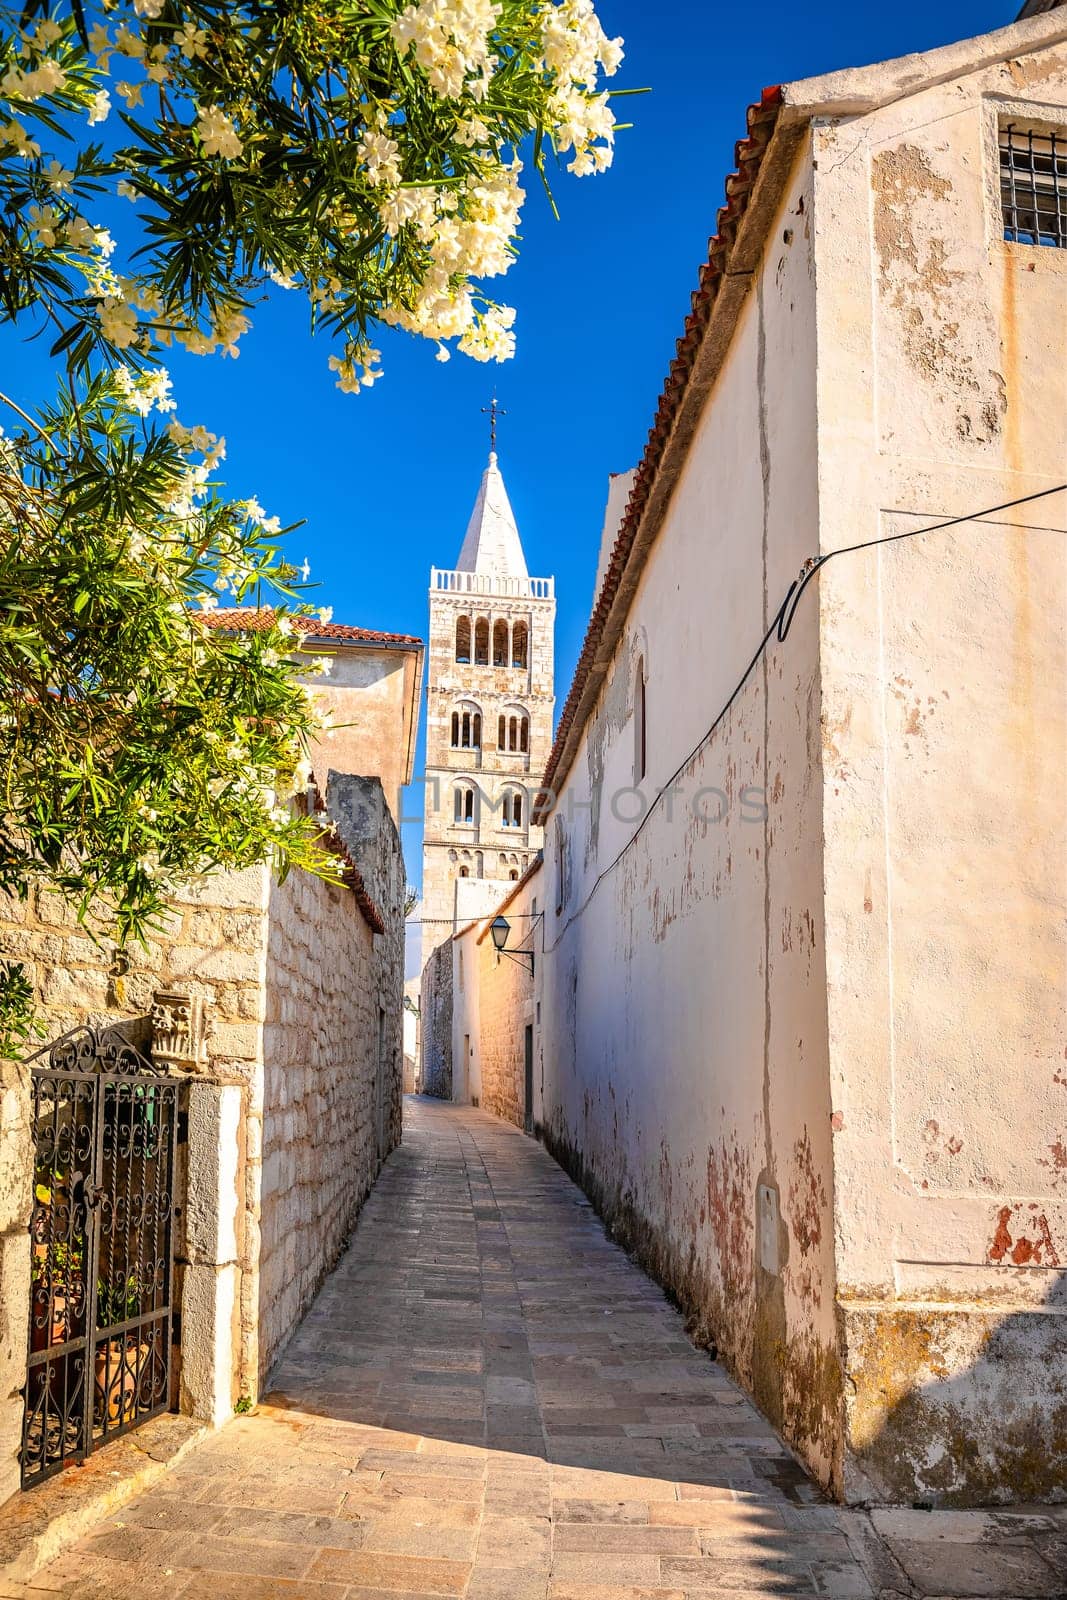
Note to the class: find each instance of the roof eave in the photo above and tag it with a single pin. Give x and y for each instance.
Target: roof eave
(855, 91)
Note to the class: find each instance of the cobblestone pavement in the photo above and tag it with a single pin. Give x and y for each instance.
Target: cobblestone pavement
(489, 1400)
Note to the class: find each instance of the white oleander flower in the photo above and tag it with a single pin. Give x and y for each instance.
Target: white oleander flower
(59, 177)
(218, 134)
(490, 337)
(130, 92)
(126, 189)
(326, 613)
(118, 321)
(191, 41)
(99, 107)
(381, 156)
(44, 220)
(15, 134)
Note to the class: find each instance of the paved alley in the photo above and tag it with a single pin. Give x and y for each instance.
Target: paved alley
(489, 1400)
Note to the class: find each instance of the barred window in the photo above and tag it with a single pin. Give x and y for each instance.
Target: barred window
(1033, 185)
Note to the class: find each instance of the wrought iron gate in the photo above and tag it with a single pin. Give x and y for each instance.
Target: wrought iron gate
(102, 1258)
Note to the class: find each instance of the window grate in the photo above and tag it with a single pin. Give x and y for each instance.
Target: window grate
(1033, 186)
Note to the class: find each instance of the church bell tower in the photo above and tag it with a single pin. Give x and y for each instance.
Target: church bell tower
(490, 700)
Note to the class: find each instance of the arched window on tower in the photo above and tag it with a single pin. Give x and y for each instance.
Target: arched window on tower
(464, 803)
(464, 872)
(481, 642)
(514, 874)
(513, 731)
(520, 645)
(467, 728)
(512, 809)
(500, 643)
(463, 639)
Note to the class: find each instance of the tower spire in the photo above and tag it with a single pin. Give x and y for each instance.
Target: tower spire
(492, 545)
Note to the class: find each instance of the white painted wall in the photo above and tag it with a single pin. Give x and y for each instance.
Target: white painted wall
(683, 1007)
(943, 390)
(851, 1010)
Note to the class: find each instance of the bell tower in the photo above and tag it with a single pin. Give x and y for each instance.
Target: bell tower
(490, 698)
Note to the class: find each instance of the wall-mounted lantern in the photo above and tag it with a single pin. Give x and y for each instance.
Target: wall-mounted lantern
(500, 927)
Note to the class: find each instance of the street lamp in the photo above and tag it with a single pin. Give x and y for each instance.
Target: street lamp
(500, 927)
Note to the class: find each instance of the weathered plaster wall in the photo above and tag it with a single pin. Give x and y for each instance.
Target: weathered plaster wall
(942, 391)
(685, 1053)
(371, 695)
(495, 1002)
(332, 1059)
(436, 1023)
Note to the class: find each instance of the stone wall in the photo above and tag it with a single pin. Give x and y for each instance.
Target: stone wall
(436, 1023)
(332, 1065)
(288, 1098)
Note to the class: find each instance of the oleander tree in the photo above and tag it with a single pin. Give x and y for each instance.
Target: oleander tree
(163, 166)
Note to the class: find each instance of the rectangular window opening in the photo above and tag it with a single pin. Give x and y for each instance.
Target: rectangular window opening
(1033, 185)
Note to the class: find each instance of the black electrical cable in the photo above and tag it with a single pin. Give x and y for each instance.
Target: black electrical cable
(780, 626)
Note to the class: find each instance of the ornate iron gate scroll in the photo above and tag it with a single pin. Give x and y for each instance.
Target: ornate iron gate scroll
(102, 1252)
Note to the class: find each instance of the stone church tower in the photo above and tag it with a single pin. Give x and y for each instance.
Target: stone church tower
(489, 676)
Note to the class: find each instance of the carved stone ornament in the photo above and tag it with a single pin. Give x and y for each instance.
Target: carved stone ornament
(178, 1030)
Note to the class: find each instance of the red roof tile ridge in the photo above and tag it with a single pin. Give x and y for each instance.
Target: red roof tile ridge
(256, 619)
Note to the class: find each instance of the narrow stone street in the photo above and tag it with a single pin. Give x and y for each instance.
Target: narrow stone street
(489, 1400)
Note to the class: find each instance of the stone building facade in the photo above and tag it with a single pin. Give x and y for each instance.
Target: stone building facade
(804, 955)
(490, 677)
(290, 1097)
(435, 1023)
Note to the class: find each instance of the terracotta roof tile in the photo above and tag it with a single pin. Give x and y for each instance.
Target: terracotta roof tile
(252, 619)
(748, 155)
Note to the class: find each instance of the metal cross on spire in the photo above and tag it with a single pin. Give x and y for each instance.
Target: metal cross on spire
(493, 411)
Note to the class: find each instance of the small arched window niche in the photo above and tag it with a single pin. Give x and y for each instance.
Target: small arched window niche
(463, 640)
(463, 804)
(513, 730)
(513, 809)
(481, 642)
(467, 727)
(520, 645)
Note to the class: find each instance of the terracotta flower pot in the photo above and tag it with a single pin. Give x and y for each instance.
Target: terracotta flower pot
(117, 1369)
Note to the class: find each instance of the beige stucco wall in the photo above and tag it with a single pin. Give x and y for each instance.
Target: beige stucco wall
(943, 390)
(495, 1001)
(371, 695)
(683, 1007)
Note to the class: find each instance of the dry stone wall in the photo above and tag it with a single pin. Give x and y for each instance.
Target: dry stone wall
(296, 1104)
(436, 1008)
(332, 1051)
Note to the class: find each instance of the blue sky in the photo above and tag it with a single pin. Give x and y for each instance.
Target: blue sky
(386, 479)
